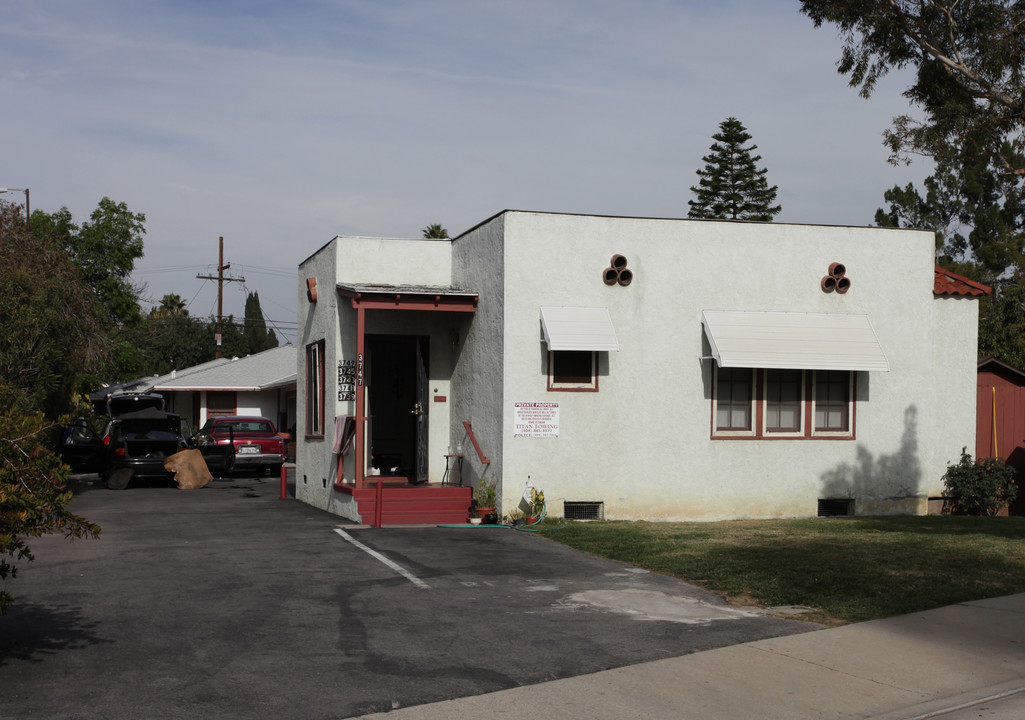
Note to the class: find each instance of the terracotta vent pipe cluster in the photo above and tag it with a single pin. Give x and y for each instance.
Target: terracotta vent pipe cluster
(617, 272)
(835, 280)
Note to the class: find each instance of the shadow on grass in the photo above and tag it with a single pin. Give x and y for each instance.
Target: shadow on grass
(30, 632)
(1004, 527)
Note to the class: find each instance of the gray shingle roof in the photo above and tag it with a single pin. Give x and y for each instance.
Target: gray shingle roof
(263, 371)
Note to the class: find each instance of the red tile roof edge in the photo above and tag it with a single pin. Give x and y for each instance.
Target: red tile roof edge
(946, 282)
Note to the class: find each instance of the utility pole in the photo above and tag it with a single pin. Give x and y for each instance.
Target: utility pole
(221, 267)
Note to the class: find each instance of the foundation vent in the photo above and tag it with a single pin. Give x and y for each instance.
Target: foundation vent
(831, 507)
(584, 510)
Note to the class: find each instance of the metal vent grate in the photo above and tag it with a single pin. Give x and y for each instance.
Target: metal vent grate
(584, 510)
(829, 507)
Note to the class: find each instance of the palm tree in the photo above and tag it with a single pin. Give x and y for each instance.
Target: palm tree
(435, 232)
(171, 305)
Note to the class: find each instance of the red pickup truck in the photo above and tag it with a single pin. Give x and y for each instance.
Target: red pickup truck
(257, 443)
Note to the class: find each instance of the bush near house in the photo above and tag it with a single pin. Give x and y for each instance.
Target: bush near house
(978, 487)
(34, 498)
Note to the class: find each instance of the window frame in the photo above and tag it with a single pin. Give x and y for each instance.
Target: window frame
(759, 409)
(851, 406)
(555, 386)
(752, 430)
(764, 402)
(212, 412)
(315, 391)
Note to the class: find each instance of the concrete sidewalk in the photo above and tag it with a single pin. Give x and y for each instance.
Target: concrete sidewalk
(958, 662)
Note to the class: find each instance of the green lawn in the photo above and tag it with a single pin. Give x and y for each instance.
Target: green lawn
(851, 569)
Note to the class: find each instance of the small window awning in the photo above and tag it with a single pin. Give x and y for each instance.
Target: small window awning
(798, 341)
(578, 328)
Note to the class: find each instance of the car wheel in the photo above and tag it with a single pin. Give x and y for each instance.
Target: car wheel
(119, 479)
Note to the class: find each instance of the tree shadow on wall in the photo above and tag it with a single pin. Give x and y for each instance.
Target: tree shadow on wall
(883, 477)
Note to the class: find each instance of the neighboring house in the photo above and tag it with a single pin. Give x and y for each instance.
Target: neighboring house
(638, 368)
(1001, 420)
(261, 384)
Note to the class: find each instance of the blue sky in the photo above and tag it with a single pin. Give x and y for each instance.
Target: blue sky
(280, 125)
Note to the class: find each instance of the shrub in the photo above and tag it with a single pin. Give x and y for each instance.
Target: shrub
(34, 498)
(979, 487)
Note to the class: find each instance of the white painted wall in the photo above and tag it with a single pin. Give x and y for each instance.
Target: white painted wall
(366, 261)
(642, 444)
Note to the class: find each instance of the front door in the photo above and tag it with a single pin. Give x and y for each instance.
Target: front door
(397, 395)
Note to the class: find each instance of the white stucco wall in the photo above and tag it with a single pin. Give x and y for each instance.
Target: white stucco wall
(642, 443)
(365, 261)
(478, 377)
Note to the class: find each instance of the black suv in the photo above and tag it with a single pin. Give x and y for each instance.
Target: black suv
(137, 440)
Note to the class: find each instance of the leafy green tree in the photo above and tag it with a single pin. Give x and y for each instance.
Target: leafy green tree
(54, 330)
(258, 338)
(968, 57)
(233, 339)
(731, 186)
(435, 232)
(973, 210)
(172, 342)
(106, 248)
(34, 499)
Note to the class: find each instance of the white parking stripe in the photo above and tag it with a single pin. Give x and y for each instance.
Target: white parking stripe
(393, 565)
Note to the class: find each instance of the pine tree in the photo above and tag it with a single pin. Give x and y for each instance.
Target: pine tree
(731, 186)
(257, 337)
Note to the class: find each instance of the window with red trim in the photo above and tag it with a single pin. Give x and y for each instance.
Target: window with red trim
(219, 404)
(782, 403)
(734, 401)
(572, 370)
(315, 389)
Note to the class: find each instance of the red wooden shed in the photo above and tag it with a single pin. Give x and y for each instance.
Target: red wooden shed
(1000, 420)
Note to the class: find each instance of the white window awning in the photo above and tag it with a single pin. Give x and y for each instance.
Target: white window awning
(578, 328)
(799, 341)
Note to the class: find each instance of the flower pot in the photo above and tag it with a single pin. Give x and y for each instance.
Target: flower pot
(475, 521)
(530, 520)
(484, 511)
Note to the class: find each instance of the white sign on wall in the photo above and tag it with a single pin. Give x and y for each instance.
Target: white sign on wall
(536, 420)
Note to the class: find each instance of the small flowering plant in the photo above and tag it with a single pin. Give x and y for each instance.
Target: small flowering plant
(537, 502)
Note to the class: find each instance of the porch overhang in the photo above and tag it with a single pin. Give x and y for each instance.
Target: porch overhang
(797, 341)
(409, 297)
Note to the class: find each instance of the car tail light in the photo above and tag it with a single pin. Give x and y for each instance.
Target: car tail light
(106, 439)
(120, 452)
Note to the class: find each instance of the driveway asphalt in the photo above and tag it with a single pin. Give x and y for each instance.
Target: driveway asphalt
(228, 602)
(955, 663)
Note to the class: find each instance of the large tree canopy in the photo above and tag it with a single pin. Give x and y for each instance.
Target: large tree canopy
(968, 57)
(731, 186)
(53, 326)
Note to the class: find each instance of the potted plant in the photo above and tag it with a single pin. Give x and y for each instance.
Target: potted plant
(485, 499)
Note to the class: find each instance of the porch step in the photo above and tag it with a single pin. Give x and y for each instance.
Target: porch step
(415, 505)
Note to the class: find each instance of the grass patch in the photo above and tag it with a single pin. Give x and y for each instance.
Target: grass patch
(852, 569)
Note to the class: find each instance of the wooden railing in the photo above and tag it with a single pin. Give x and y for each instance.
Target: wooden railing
(476, 446)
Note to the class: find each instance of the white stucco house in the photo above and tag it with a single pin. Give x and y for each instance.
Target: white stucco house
(635, 368)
